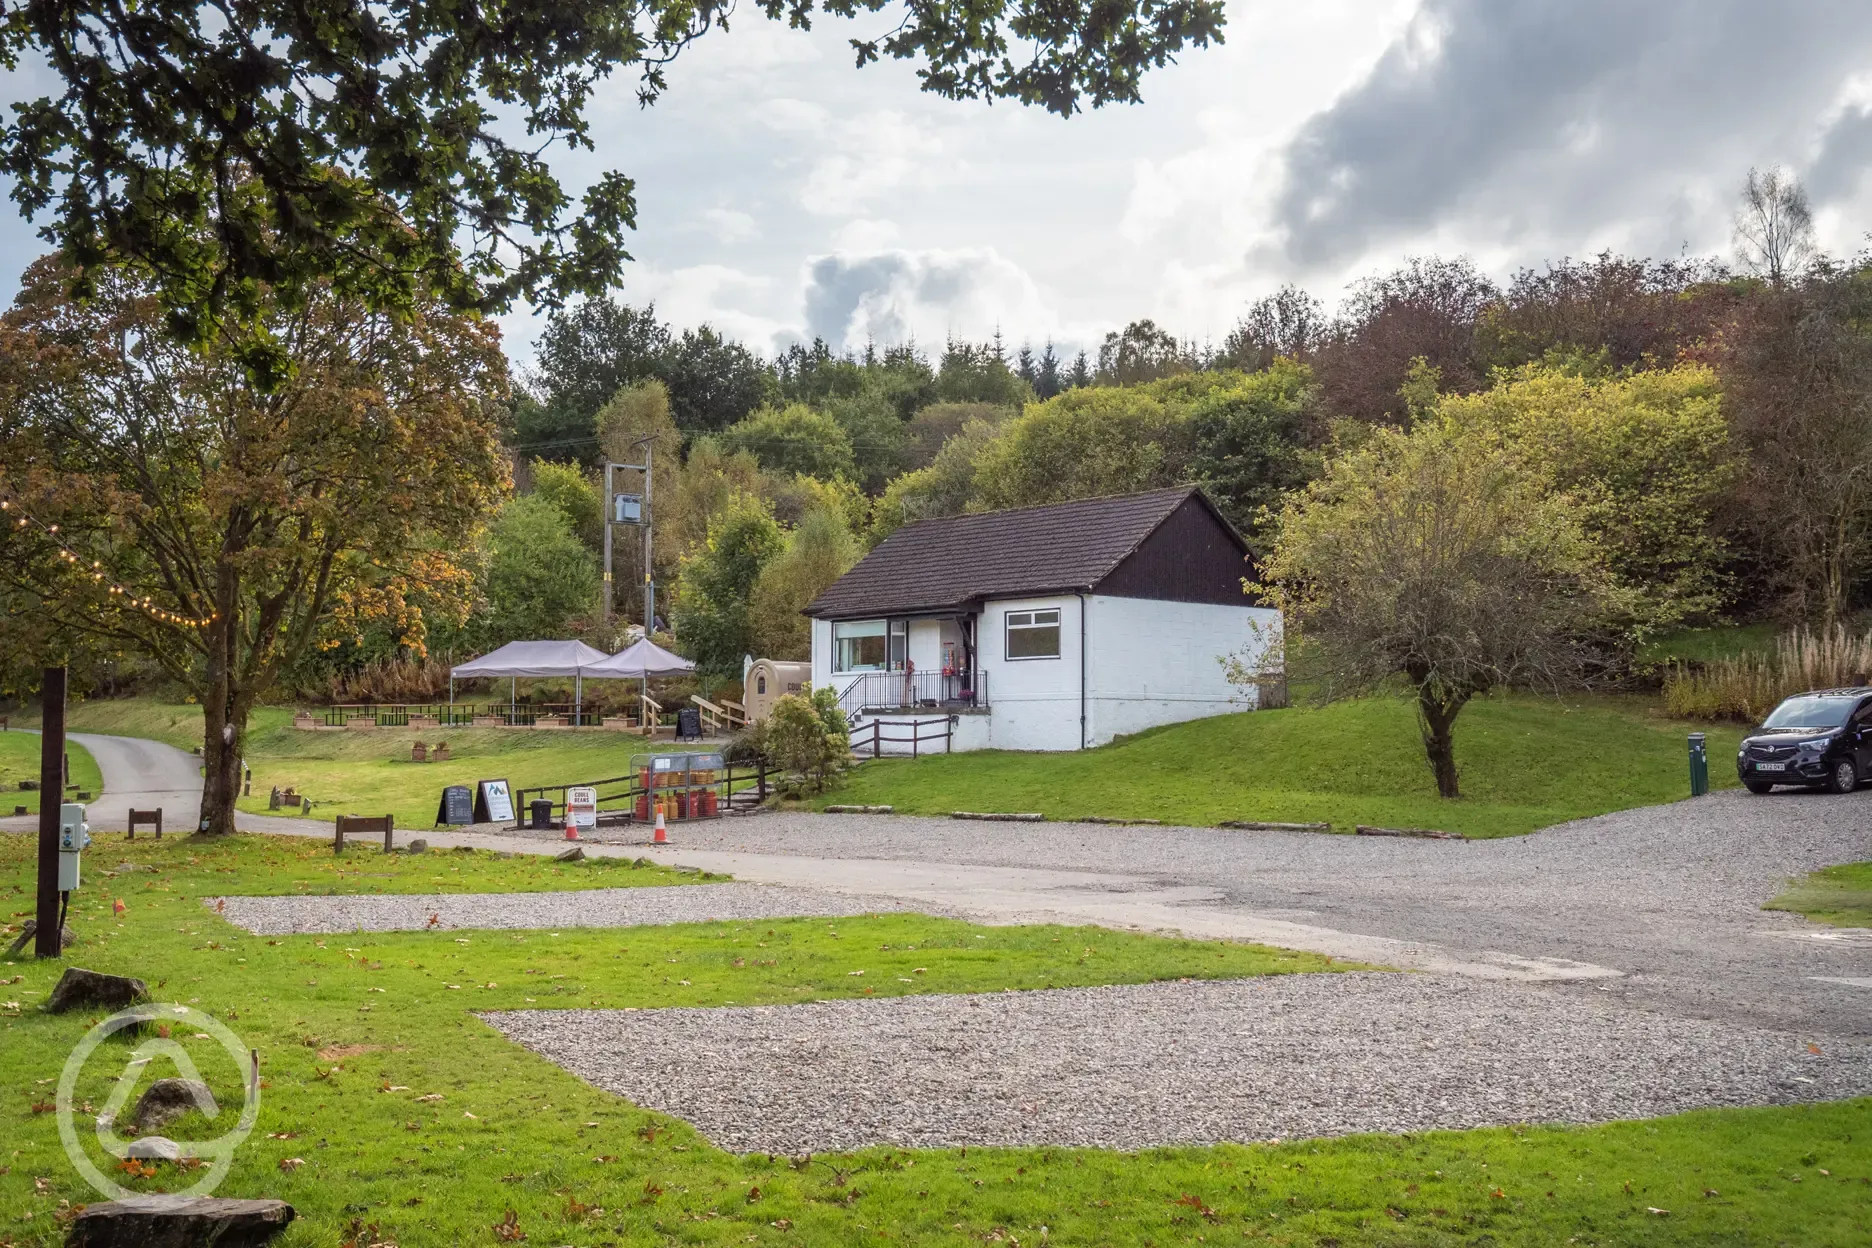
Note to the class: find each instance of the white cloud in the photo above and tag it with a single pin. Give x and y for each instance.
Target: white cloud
(731, 225)
(928, 296)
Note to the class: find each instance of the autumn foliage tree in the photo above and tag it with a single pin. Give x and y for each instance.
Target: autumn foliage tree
(160, 499)
(1435, 557)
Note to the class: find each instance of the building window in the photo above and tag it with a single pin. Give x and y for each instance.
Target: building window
(1033, 634)
(760, 683)
(859, 646)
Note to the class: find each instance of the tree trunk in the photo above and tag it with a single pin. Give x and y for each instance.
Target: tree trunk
(1437, 718)
(224, 723)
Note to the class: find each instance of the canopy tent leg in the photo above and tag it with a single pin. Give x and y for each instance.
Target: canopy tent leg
(451, 715)
(510, 701)
(578, 700)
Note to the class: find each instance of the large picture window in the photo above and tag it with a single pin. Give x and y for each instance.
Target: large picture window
(1033, 634)
(859, 646)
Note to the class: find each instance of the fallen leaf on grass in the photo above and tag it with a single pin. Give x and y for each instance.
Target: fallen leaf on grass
(466, 1114)
(1656, 1212)
(507, 1230)
(282, 1135)
(1710, 1191)
(854, 972)
(781, 1224)
(392, 1087)
(43, 1107)
(433, 1096)
(290, 1164)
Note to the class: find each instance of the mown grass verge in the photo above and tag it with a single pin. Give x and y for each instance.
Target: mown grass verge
(1525, 763)
(1841, 896)
(370, 773)
(347, 1064)
(19, 760)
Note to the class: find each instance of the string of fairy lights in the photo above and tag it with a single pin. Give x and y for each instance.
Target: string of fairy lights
(66, 555)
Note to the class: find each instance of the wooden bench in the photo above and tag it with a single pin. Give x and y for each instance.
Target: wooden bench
(148, 818)
(361, 825)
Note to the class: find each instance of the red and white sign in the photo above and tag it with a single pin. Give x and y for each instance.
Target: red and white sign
(581, 809)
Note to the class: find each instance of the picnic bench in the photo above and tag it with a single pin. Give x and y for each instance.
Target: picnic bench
(145, 818)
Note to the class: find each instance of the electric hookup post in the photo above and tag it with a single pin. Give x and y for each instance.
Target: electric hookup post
(1699, 765)
(74, 839)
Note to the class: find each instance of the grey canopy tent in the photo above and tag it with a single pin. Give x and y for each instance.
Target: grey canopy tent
(641, 660)
(531, 658)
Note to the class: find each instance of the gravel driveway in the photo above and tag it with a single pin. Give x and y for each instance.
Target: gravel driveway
(1668, 896)
(1178, 1063)
(598, 907)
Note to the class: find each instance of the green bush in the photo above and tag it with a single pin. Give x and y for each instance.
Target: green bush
(808, 739)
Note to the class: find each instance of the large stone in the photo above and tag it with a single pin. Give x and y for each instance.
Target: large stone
(172, 1222)
(30, 931)
(575, 854)
(168, 1099)
(153, 1148)
(81, 989)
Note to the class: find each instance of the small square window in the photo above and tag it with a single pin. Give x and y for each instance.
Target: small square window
(1033, 634)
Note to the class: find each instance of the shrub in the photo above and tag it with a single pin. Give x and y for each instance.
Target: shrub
(808, 740)
(1747, 686)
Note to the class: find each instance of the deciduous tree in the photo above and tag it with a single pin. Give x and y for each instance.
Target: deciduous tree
(157, 497)
(258, 152)
(1438, 557)
(712, 620)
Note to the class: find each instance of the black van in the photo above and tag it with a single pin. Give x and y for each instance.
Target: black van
(1818, 740)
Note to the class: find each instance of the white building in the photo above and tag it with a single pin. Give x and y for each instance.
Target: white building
(1044, 628)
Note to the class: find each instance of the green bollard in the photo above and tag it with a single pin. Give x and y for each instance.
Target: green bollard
(1699, 766)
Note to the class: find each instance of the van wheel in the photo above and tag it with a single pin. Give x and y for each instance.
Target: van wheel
(1758, 786)
(1845, 777)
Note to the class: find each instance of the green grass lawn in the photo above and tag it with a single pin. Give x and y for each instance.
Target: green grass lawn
(1841, 896)
(1702, 645)
(19, 760)
(369, 773)
(1525, 762)
(355, 1030)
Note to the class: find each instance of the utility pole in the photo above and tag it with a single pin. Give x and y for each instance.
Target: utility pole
(628, 509)
(604, 595)
(649, 581)
(48, 939)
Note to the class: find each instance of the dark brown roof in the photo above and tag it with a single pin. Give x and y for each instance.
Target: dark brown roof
(935, 565)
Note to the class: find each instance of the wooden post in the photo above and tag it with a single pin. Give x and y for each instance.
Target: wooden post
(389, 826)
(51, 792)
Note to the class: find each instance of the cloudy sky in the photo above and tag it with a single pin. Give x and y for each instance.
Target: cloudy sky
(785, 194)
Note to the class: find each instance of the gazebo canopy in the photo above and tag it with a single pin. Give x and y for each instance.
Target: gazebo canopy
(532, 658)
(640, 661)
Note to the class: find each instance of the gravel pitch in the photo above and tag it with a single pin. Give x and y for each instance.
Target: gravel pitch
(1138, 1066)
(598, 907)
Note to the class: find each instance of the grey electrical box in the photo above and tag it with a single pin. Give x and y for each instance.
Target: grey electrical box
(627, 509)
(74, 836)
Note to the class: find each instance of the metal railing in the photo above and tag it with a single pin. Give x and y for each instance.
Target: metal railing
(618, 797)
(894, 691)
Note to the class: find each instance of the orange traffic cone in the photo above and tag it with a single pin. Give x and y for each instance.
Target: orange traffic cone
(662, 833)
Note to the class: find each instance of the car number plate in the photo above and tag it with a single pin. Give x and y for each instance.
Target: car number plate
(1770, 766)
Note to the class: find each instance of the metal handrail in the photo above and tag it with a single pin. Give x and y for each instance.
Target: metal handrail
(892, 691)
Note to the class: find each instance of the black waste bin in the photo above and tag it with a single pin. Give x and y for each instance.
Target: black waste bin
(542, 812)
(688, 724)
